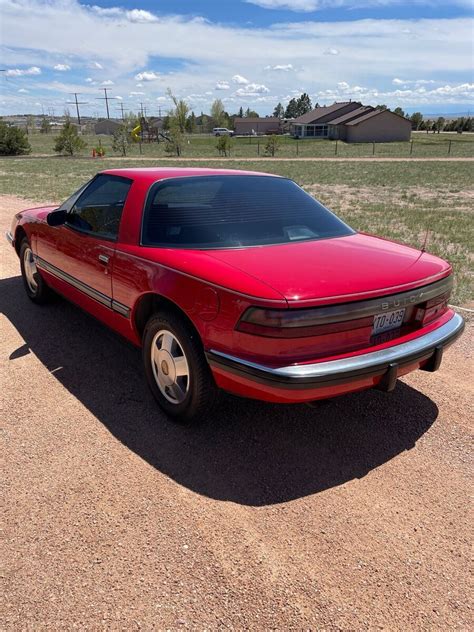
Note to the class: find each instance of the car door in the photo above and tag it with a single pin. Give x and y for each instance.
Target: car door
(81, 251)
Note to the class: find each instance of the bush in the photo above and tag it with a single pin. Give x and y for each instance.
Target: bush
(69, 142)
(121, 140)
(223, 145)
(272, 145)
(13, 141)
(174, 140)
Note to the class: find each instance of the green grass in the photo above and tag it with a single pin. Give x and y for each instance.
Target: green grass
(400, 200)
(424, 145)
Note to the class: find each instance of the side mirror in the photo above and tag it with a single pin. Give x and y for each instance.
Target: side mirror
(56, 218)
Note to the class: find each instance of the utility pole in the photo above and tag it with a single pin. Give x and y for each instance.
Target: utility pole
(143, 109)
(77, 104)
(121, 106)
(106, 98)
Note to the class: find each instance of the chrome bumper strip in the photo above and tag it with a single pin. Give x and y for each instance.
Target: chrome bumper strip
(9, 237)
(345, 369)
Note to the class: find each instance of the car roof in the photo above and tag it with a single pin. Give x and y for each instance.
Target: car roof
(152, 174)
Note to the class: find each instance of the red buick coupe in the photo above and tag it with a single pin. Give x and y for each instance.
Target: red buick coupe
(240, 281)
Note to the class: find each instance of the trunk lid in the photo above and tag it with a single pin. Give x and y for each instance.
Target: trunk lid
(336, 270)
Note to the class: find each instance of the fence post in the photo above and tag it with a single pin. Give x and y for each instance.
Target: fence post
(373, 149)
(411, 147)
(258, 147)
(335, 150)
(449, 147)
(140, 147)
(297, 148)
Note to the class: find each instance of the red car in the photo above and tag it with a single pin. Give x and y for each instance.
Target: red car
(241, 281)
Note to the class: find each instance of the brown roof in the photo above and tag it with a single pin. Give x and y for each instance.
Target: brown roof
(353, 114)
(319, 112)
(375, 113)
(262, 119)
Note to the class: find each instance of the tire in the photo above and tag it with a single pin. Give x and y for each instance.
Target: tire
(35, 286)
(171, 346)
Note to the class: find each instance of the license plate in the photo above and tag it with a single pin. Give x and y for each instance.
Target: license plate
(387, 321)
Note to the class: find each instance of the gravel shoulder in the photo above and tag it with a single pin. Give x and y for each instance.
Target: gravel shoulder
(353, 515)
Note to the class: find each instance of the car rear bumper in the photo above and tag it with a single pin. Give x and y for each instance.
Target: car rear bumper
(319, 380)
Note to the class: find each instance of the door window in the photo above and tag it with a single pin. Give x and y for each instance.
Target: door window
(99, 208)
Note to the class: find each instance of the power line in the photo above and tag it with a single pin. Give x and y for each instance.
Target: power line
(77, 103)
(106, 98)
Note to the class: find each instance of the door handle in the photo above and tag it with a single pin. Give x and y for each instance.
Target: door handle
(104, 259)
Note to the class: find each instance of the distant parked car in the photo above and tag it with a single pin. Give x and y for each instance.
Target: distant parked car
(222, 131)
(238, 280)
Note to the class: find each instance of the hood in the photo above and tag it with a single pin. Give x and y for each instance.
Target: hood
(336, 270)
(39, 213)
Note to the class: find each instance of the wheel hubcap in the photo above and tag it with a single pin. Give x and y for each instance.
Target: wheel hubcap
(29, 266)
(170, 366)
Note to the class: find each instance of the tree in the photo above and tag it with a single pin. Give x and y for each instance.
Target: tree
(223, 145)
(13, 141)
(121, 140)
(298, 107)
(279, 111)
(174, 141)
(69, 142)
(218, 113)
(272, 145)
(291, 109)
(399, 111)
(191, 123)
(30, 123)
(382, 106)
(45, 126)
(251, 113)
(304, 104)
(416, 120)
(440, 121)
(241, 112)
(179, 113)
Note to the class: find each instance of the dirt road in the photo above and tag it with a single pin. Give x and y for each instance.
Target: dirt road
(351, 516)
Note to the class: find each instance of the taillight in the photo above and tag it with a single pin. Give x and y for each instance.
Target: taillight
(288, 323)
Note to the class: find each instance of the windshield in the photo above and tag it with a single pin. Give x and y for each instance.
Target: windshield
(227, 211)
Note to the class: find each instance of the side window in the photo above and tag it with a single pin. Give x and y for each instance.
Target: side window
(99, 208)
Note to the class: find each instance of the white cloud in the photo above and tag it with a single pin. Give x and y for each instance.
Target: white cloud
(239, 79)
(306, 6)
(222, 85)
(280, 67)
(36, 33)
(331, 51)
(147, 75)
(21, 72)
(23, 90)
(141, 17)
(107, 82)
(292, 5)
(251, 90)
(136, 94)
(62, 67)
(89, 80)
(404, 82)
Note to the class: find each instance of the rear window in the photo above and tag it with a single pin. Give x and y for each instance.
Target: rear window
(225, 211)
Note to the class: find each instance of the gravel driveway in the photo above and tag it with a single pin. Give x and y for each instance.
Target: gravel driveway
(353, 515)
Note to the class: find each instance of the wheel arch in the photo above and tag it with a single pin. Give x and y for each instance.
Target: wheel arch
(20, 234)
(152, 303)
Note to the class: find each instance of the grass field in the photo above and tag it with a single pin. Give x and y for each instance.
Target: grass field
(400, 200)
(424, 145)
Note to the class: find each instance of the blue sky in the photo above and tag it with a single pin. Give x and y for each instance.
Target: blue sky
(417, 54)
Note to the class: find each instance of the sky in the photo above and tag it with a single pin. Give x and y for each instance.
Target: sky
(416, 54)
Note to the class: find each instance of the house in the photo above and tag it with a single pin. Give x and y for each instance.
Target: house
(106, 126)
(257, 125)
(352, 122)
